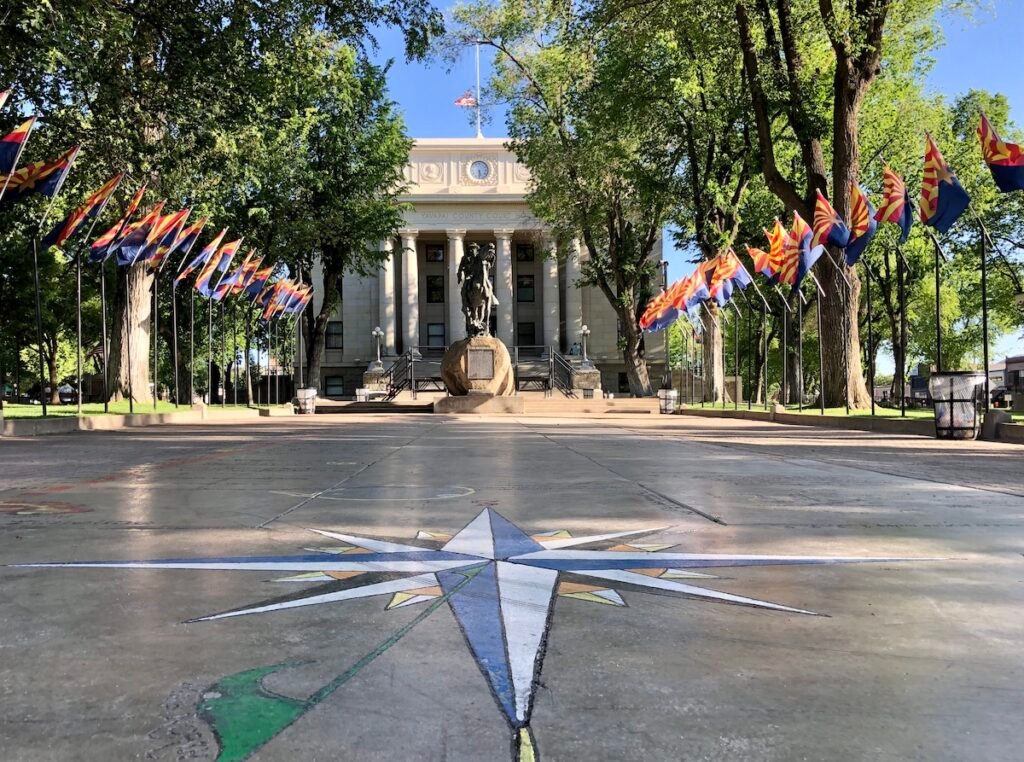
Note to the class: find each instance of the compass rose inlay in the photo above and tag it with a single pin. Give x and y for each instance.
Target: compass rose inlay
(498, 582)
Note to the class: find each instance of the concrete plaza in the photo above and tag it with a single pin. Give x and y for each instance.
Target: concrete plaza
(917, 659)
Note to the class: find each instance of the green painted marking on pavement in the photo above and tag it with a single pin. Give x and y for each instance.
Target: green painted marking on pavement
(245, 715)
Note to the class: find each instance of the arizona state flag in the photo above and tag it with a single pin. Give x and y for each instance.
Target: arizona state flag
(257, 283)
(805, 256)
(233, 283)
(1005, 160)
(203, 256)
(862, 224)
(43, 177)
(762, 261)
(828, 225)
(776, 254)
(656, 317)
(140, 237)
(186, 239)
(167, 232)
(99, 249)
(895, 207)
(93, 207)
(943, 199)
(12, 144)
(220, 262)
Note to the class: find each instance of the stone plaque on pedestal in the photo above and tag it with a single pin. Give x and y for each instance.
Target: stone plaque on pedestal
(480, 364)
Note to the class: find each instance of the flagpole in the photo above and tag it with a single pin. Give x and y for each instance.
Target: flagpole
(800, 352)
(191, 346)
(821, 354)
(39, 326)
(984, 301)
(106, 342)
(846, 345)
(736, 360)
(35, 268)
(174, 341)
(938, 304)
(785, 353)
(78, 310)
(128, 337)
(156, 345)
(234, 354)
(479, 130)
(750, 353)
(871, 337)
(764, 356)
(224, 353)
(78, 326)
(901, 267)
(209, 352)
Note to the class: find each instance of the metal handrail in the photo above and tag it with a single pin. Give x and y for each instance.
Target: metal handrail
(562, 374)
(396, 378)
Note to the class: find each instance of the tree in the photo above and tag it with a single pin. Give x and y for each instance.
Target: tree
(163, 90)
(809, 66)
(601, 170)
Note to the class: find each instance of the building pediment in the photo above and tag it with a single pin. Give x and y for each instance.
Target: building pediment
(477, 169)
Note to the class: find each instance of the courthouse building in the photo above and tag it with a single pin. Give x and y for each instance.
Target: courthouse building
(463, 191)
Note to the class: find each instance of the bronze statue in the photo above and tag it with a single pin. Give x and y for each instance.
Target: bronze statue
(477, 291)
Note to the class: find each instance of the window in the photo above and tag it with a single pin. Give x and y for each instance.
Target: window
(335, 335)
(334, 386)
(435, 334)
(435, 252)
(435, 289)
(524, 288)
(527, 334)
(524, 252)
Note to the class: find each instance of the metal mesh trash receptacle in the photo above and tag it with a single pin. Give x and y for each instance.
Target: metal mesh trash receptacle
(306, 399)
(667, 400)
(955, 397)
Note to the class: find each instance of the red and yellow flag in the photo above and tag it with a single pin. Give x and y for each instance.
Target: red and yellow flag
(91, 208)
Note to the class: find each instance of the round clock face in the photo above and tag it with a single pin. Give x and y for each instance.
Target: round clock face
(479, 170)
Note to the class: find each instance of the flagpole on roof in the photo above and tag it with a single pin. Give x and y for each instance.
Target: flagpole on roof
(479, 130)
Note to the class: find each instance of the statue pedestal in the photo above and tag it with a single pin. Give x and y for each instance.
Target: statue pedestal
(478, 364)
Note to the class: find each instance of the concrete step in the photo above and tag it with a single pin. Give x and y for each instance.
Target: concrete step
(374, 407)
(564, 405)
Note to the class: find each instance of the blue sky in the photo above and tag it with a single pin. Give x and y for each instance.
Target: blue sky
(981, 51)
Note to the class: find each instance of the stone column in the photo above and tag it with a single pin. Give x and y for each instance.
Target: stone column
(503, 286)
(412, 289)
(386, 298)
(549, 270)
(573, 296)
(456, 322)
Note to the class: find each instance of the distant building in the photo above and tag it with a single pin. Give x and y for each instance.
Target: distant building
(463, 191)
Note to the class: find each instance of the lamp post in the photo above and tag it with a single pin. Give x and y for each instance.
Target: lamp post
(584, 333)
(378, 334)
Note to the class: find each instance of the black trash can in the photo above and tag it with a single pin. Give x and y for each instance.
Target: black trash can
(955, 396)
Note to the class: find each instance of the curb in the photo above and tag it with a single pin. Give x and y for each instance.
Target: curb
(34, 427)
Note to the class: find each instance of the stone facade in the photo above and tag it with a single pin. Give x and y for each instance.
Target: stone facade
(466, 191)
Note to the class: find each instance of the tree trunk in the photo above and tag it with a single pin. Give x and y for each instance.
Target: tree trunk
(636, 365)
(318, 339)
(50, 355)
(714, 360)
(841, 305)
(131, 350)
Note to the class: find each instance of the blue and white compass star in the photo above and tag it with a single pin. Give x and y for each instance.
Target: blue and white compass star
(499, 583)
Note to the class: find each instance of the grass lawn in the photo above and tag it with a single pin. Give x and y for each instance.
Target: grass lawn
(89, 408)
(880, 412)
